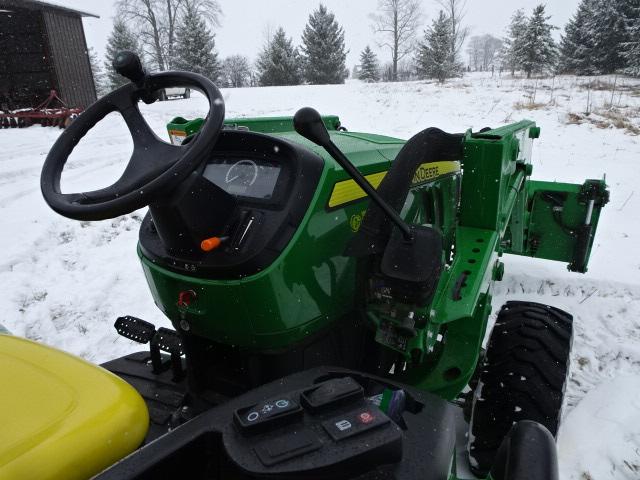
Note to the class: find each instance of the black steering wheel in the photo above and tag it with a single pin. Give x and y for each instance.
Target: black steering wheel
(155, 167)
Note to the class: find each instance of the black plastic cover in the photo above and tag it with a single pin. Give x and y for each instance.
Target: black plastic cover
(528, 452)
(419, 260)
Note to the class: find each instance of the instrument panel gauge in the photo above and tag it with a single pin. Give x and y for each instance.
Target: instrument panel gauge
(242, 173)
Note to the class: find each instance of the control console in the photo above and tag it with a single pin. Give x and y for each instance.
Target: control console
(323, 423)
(328, 427)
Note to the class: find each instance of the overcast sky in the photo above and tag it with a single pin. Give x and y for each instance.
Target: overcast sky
(245, 21)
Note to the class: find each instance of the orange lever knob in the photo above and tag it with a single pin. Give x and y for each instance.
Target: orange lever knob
(209, 244)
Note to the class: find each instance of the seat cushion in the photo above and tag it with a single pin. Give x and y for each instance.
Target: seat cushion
(62, 417)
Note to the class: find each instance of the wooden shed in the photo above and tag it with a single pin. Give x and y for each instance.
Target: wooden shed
(43, 48)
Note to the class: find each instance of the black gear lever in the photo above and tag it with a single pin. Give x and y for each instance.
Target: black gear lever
(128, 65)
(309, 124)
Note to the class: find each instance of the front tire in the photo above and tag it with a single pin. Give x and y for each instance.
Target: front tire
(523, 377)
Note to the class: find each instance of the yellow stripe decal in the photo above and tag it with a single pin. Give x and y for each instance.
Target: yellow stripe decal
(348, 190)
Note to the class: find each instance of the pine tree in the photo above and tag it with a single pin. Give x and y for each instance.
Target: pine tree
(369, 68)
(279, 62)
(323, 48)
(195, 45)
(121, 38)
(513, 41)
(597, 37)
(537, 51)
(608, 31)
(435, 58)
(99, 77)
(576, 46)
(631, 48)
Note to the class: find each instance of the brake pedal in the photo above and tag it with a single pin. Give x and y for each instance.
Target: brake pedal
(168, 341)
(135, 329)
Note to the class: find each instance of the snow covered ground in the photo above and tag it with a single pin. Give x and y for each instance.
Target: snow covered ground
(65, 282)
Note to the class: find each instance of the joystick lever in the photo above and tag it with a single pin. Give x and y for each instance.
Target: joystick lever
(309, 124)
(128, 65)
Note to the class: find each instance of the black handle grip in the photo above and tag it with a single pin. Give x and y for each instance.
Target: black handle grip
(128, 65)
(309, 124)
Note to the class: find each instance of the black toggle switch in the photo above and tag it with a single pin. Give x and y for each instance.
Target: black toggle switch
(332, 392)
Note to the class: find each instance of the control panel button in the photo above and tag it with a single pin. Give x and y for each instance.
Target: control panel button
(354, 423)
(331, 393)
(279, 449)
(268, 414)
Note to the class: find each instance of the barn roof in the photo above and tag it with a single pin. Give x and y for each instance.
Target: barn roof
(39, 5)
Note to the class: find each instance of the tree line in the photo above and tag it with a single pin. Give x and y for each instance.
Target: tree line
(603, 36)
(178, 34)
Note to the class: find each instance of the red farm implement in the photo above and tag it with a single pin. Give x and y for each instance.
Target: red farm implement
(46, 114)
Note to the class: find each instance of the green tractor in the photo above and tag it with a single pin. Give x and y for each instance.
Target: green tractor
(329, 292)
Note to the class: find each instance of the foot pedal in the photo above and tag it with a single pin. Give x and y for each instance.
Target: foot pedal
(168, 341)
(135, 329)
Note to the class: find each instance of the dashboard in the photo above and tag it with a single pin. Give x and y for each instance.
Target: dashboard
(254, 178)
(270, 183)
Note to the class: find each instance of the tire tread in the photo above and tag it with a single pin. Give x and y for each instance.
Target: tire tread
(523, 376)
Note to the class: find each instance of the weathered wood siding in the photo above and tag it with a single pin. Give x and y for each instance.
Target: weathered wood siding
(26, 73)
(69, 57)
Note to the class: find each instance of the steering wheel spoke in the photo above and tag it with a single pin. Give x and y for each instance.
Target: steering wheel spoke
(142, 134)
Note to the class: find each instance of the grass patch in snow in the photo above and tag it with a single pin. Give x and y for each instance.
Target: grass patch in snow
(606, 118)
(529, 105)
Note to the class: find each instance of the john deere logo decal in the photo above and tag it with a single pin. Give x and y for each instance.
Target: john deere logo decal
(356, 220)
(425, 173)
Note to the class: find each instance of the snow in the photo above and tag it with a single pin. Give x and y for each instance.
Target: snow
(65, 282)
(611, 413)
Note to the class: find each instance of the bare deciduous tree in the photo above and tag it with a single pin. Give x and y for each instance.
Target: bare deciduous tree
(456, 10)
(157, 21)
(483, 50)
(474, 49)
(397, 21)
(237, 70)
(490, 48)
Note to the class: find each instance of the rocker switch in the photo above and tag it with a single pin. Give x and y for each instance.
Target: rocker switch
(332, 392)
(267, 415)
(354, 423)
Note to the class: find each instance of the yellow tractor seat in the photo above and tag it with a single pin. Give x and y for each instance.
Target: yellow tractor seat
(62, 418)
